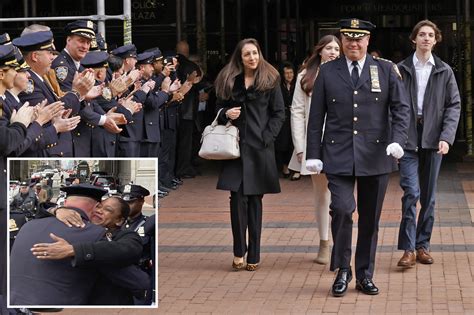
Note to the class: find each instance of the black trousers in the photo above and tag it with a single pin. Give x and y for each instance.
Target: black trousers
(167, 156)
(246, 213)
(370, 195)
(149, 149)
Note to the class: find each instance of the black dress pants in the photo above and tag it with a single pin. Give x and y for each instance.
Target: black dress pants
(370, 195)
(246, 213)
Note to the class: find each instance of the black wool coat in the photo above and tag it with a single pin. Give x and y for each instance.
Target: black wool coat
(262, 115)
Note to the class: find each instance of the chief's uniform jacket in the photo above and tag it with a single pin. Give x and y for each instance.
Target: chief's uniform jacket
(358, 128)
(57, 282)
(39, 90)
(34, 141)
(360, 123)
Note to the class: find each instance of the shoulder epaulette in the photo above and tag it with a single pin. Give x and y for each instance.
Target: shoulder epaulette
(380, 58)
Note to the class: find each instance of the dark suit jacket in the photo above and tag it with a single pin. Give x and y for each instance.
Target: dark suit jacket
(359, 123)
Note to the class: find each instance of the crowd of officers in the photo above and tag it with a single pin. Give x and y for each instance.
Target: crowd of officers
(93, 103)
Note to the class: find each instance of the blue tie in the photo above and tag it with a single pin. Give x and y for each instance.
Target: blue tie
(355, 73)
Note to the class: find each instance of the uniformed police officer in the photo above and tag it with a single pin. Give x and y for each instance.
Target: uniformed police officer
(135, 195)
(366, 113)
(156, 98)
(128, 53)
(36, 48)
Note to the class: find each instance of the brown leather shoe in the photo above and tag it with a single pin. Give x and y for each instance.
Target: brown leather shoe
(408, 259)
(423, 256)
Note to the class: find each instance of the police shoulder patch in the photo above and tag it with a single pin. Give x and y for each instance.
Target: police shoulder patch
(30, 87)
(61, 72)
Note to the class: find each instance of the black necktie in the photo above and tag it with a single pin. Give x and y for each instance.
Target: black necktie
(355, 72)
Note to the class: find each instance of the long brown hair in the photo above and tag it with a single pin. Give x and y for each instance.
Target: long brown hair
(266, 76)
(313, 63)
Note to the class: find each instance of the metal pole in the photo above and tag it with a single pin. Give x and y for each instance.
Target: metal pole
(201, 32)
(178, 21)
(265, 29)
(127, 23)
(64, 18)
(467, 76)
(25, 11)
(184, 19)
(222, 33)
(33, 7)
(101, 23)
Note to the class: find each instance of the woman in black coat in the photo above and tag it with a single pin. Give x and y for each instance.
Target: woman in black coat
(249, 94)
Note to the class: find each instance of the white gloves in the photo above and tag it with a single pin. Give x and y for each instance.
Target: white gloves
(395, 150)
(314, 165)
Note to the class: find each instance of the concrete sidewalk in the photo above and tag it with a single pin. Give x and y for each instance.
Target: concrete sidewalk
(195, 255)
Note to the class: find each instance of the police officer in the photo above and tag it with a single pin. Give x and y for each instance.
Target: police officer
(25, 197)
(151, 112)
(128, 53)
(135, 195)
(366, 113)
(37, 50)
(105, 136)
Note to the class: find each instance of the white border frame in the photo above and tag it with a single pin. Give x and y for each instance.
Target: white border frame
(153, 306)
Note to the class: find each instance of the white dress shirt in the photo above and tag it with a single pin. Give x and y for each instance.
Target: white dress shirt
(423, 71)
(360, 63)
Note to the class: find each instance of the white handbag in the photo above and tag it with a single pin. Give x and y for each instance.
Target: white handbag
(220, 142)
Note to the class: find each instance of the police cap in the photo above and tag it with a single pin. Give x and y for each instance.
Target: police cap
(5, 39)
(156, 52)
(355, 28)
(84, 190)
(24, 184)
(98, 43)
(22, 65)
(95, 59)
(83, 28)
(35, 41)
(7, 57)
(127, 51)
(132, 192)
(146, 58)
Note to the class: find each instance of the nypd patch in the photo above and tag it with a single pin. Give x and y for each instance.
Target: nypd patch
(30, 87)
(61, 73)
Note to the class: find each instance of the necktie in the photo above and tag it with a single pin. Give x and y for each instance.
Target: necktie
(355, 72)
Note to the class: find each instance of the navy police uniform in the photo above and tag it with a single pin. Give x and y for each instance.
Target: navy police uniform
(137, 224)
(360, 120)
(38, 90)
(151, 118)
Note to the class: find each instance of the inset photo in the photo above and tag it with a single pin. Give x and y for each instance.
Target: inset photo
(83, 233)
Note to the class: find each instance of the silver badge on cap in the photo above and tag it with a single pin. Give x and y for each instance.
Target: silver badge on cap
(90, 24)
(127, 189)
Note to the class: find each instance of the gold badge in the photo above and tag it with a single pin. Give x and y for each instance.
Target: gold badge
(12, 225)
(61, 73)
(374, 78)
(90, 24)
(354, 23)
(106, 94)
(30, 87)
